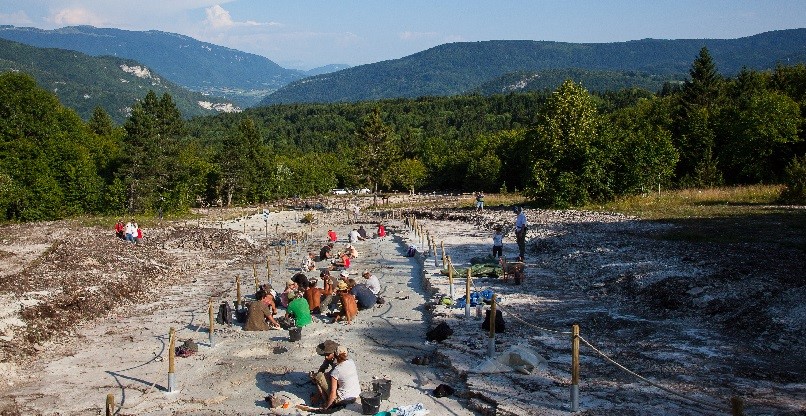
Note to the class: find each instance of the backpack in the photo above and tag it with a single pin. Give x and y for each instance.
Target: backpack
(440, 332)
(224, 314)
(500, 325)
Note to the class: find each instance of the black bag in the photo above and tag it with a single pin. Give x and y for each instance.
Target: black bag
(443, 390)
(241, 314)
(224, 314)
(500, 325)
(380, 300)
(440, 332)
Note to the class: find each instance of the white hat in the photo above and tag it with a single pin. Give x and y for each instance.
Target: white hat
(344, 273)
(341, 349)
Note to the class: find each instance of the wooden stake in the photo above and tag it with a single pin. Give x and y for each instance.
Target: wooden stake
(171, 359)
(450, 278)
(442, 245)
(110, 404)
(254, 273)
(238, 291)
(575, 367)
(210, 335)
(467, 294)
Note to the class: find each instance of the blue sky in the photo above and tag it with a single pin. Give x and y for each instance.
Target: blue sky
(308, 33)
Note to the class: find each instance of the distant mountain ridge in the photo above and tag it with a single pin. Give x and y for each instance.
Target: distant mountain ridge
(83, 82)
(199, 66)
(458, 68)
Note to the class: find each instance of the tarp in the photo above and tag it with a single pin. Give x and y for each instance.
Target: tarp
(519, 358)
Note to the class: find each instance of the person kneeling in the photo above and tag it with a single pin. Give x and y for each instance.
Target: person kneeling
(261, 313)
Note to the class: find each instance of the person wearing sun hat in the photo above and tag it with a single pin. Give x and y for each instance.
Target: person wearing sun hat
(344, 384)
(321, 378)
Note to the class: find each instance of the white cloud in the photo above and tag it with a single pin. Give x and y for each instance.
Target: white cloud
(76, 16)
(220, 18)
(16, 18)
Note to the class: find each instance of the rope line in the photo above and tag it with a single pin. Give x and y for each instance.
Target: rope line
(642, 378)
(600, 353)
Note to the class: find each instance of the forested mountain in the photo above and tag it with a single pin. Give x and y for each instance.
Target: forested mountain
(458, 68)
(83, 82)
(594, 81)
(199, 66)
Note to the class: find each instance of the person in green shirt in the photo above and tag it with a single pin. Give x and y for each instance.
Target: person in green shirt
(298, 309)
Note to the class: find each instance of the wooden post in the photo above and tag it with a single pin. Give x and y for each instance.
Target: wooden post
(736, 405)
(171, 359)
(491, 341)
(442, 245)
(244, 227)
(238, 292)
(268, 270)
(254, 273)
(467, 294)
(575, 367)
(110, 404)
(450, 279)
(434, 250)
(210, 335)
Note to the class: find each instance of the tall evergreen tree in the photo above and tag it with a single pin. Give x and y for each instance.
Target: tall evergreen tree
(376, 151)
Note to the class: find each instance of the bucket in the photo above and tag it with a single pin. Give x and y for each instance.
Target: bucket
(295, 334)
(383, 387)
(370, 402)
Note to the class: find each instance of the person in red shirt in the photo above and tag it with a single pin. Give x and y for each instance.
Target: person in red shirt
(120, 228)
(381, 230)
(331, 235)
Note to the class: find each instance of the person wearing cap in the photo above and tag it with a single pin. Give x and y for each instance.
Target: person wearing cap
(351, 251)
(344, 384)
(520, 231)
(298, 310)
(372, 282)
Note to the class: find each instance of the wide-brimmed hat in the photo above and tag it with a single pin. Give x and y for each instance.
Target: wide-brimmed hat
(327, 347)
(342, 285)
(292, 295)
(344, 273)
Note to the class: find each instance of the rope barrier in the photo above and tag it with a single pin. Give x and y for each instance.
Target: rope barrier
(650, 382)
(603, 355)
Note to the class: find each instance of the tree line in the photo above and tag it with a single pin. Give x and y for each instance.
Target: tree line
(561, 148)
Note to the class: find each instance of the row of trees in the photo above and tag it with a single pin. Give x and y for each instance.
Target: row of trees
(561, 148)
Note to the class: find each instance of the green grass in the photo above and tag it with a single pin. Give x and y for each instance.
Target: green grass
(699, 203)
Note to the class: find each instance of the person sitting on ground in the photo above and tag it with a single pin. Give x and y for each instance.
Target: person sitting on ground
(343, 262)
(351, 251)
(372, 282)
(261, 312)
(331, 235)
(120, 229)
(381, 230)
(314, 296)
(138, 238)
(362, 232)
(301, 279)
(354, 237)
(290, 286)
(347, 305)
(297, 312)
(363, 295)
(344, 384)
(321, 378)
(325, 252)
(131, 231)
(328, 292)
(307, 263)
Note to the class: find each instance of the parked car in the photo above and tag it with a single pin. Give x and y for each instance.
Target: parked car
(338, 191)
(363, 191)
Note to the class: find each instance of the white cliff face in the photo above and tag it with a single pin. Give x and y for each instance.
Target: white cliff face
(220, 107)
(139, 71)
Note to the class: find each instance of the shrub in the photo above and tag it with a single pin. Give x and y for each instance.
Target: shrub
(795, 181)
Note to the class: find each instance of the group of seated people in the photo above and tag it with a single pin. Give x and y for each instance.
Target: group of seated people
(339, 297)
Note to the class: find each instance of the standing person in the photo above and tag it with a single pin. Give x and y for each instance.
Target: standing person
(131, 230)
(520, 232)
(498, 242)
(480, 202)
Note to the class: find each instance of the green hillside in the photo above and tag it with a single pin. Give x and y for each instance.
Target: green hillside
(458, 68)
(84, 82)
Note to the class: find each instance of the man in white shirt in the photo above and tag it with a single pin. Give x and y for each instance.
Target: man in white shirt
(520, 231)
(372, 282)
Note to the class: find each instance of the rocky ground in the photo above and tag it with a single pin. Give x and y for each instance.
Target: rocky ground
(700, 313)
